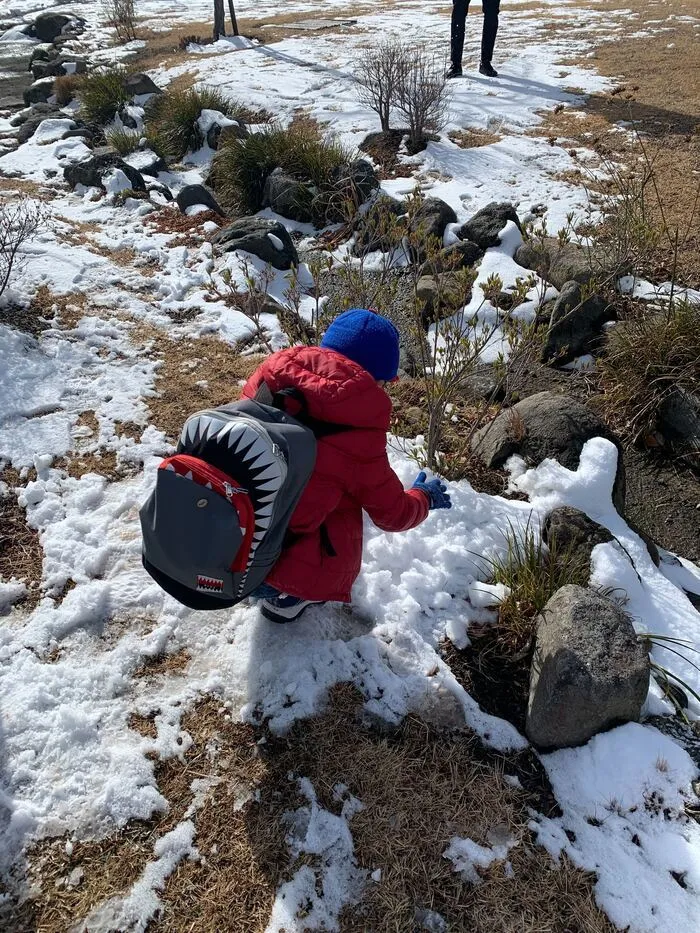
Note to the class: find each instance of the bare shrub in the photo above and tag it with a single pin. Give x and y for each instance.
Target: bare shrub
(19, 222)
(122, 17)
(378, 74)
(422, 94)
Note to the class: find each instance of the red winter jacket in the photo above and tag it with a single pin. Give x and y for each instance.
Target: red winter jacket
(352, 473)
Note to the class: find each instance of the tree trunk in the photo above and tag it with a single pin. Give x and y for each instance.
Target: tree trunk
(219, 19)
(234, 21)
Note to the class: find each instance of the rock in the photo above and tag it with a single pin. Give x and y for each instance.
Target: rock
(373, 229)
(192, 195)
(47, 69)
(557, 263)
(138, 84)
(485, 226)
(679, 420)
(546, 425)
(267, 239)
(45, 52)
(90, 171)
(460, 255)
(39, 92)
(287, 196)
(440, 296)
(29, 127)
(358, 179)
(47, 27)
(146, 161)
(128, 119)
(484, 383)
(575, 324)
(155, 187)
(573, 534)
(431, 218)
(589, 671)
(218, 133)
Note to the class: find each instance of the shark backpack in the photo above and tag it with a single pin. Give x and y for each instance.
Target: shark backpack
(216, 521)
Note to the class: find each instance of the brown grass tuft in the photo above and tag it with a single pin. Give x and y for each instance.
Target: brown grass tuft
(471, 138)
(164, 664)
(21, 554)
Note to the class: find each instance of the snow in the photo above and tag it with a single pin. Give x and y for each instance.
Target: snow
(624, 796)
(71, 764)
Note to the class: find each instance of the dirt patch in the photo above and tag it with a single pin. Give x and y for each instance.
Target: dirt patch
(195, 374)
(21, 554)
(663, 499)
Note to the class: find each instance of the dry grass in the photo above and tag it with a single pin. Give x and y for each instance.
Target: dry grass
(164, 664)
(21, 554)
(658, 91)
(419, 788)
(471, 138)
(186, 230)
(186, 366)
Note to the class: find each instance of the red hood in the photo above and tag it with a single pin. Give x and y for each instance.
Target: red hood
(336, 388)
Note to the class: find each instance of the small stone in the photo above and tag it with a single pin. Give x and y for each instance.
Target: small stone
(191, 195)
(267, 239)
(138, 84)
(575, 324)
(75, 878)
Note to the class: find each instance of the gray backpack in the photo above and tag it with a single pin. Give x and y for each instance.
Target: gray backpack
(215, 524)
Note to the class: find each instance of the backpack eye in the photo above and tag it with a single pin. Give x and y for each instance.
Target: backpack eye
(202, 503)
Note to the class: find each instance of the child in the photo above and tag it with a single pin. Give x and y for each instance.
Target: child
(342, 382)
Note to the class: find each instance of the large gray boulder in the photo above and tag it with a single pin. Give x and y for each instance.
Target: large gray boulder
(589, 671)
(267, 239)
(194, 195)
(92, 170)
(218, 133)
(357, 179)
(575, 324)
(485, 226)
(546, 425)
(431, 218)
(287, 196)
(373, 229)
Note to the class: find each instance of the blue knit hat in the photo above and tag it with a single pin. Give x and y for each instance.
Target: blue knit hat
(367, 338)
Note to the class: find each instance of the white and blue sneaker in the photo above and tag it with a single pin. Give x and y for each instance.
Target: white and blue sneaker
(284, 608)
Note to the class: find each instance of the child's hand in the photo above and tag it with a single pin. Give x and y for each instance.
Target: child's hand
(435, 490)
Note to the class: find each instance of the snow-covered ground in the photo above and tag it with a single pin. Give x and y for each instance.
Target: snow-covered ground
(69, 763)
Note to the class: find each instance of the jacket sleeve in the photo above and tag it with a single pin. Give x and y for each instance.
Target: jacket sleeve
(388, 504)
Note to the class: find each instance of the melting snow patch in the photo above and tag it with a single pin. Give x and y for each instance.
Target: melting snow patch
(467, 856)
(335, 881)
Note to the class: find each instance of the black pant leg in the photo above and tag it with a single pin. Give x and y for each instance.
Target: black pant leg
(488, 36)
(459, 18)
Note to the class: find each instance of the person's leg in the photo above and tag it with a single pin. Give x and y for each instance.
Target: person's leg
(488, 36)
(459, 18)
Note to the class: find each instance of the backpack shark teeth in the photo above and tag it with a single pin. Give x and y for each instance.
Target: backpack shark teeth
(170, 467)
(188, 475)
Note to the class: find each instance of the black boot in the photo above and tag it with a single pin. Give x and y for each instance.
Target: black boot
(486, 68)
(454, 71)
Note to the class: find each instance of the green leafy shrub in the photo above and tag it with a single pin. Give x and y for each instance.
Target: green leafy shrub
(102, 93)
(123, 140)
(241, 166)
(172, 119)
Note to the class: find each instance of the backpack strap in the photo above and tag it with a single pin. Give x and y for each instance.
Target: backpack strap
(292, 402)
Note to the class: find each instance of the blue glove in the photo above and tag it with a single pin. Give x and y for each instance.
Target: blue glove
(435, 490)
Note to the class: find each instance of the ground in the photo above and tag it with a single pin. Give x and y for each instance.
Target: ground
(167, 770)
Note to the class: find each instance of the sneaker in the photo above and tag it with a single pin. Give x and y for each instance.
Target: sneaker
(454, 71)
(285, 608)
(486, 68)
